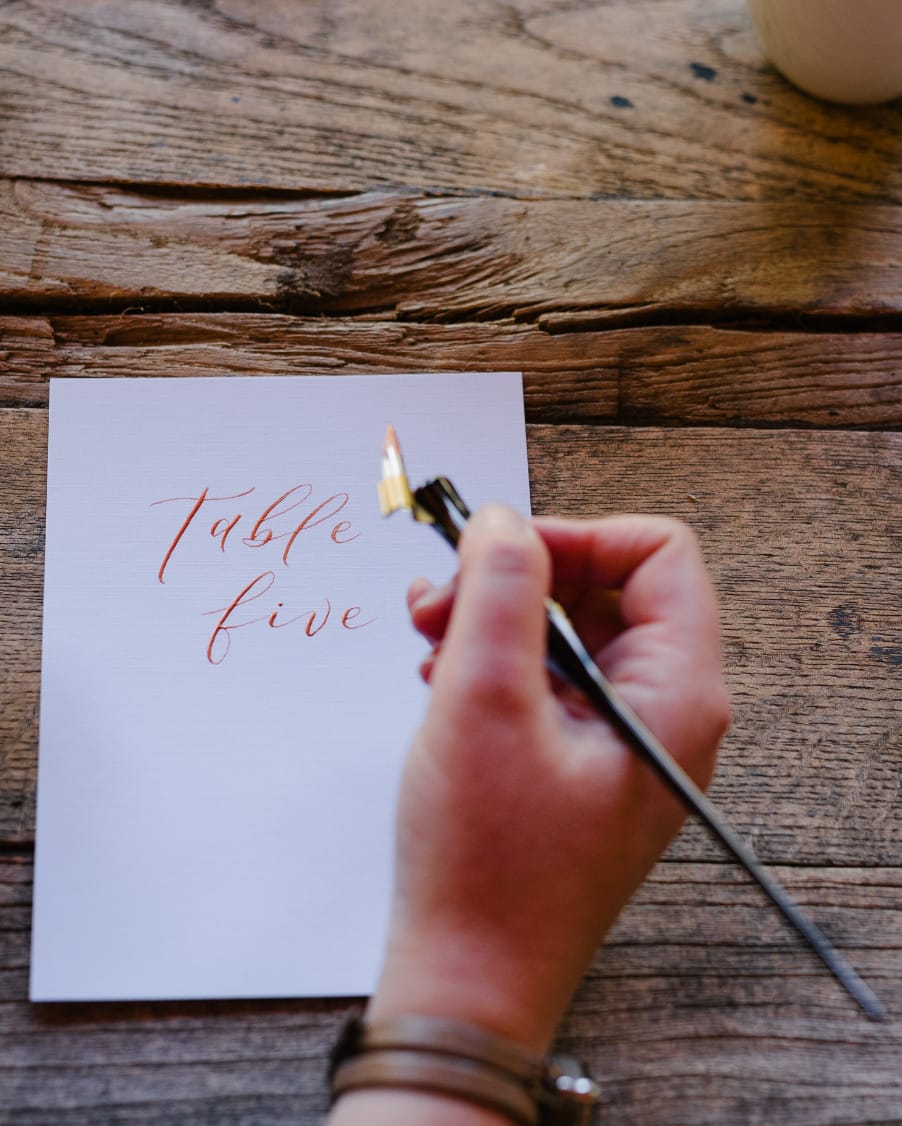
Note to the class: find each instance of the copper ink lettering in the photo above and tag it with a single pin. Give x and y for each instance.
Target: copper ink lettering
(263, 531)
(274, 523)
(224, 626)
(255, 539)
(314, 620)
(197, 503)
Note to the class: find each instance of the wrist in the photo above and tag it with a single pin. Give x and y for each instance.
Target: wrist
(464, 980)
(410, 1108)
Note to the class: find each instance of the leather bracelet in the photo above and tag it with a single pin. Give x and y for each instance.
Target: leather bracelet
(440, 1074)
(461, 1061)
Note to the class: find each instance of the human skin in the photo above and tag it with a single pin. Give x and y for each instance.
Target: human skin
(525, 823)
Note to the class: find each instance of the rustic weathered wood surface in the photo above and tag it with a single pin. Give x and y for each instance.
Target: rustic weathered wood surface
(697, 269)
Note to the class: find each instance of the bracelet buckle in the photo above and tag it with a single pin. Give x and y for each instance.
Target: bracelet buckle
(569, 1094)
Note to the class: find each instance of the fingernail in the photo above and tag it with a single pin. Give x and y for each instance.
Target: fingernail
(421, 596)
(418, 591)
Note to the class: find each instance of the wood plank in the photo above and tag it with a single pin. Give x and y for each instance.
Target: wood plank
(800, 534)
(567, 376)
(699, 1009)
(658, 98)
(23, 456)
(807, 563)
(694, 374)
(419, 257)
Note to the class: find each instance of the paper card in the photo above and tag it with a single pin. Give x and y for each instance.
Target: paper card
(229, 677)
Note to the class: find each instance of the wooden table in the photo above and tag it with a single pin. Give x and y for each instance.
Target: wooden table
(698, 270)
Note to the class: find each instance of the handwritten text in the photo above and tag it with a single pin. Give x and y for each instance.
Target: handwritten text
(229, 527)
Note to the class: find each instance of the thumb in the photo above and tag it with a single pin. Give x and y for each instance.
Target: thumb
(493, 654)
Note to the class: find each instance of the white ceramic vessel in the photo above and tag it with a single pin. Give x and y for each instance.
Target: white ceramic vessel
(842, 50)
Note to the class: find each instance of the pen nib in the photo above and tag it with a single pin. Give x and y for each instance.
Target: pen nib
(393, 486)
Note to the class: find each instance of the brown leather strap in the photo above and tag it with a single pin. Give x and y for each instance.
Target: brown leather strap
(452, 1038)
(417, 1069)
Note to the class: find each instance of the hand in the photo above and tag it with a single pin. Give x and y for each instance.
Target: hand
(525, 823)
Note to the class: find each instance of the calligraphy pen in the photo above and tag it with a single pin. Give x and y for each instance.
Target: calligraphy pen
(438, 503)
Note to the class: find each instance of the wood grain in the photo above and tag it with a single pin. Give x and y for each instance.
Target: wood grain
(640, 98)
(811, 770)
(696, 268)
(729, 1023)
(423, 257)
(23, 471)
(691, 374)
(805, 552)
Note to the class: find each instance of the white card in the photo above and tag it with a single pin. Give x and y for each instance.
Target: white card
(229, 679)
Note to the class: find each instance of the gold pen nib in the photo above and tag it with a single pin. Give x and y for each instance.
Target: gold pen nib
(394, 488)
